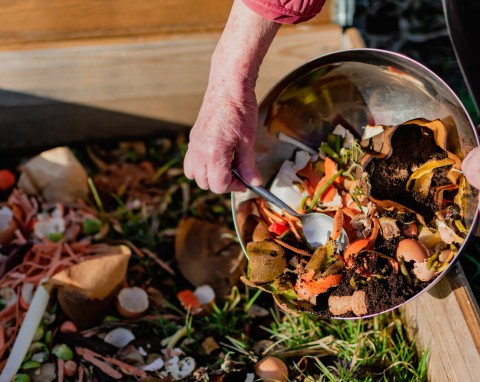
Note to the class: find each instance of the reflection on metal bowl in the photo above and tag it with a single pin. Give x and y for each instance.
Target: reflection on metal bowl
(356, 87)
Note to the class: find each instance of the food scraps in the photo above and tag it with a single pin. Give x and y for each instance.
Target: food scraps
(398, 194)
(139, 199)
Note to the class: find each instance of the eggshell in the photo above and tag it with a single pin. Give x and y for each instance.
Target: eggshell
(132, 302)
(8, 225)
(410, 249)
(421, 271)
(271, 369)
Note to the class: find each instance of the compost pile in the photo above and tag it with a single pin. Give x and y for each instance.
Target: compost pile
(128, 249)
(125, 270)
(396, 192)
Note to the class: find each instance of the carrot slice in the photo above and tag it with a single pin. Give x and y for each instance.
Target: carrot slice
(359, 245)
(309, 173)
(328, 194)
(267, 215)
(7, 179)
(337, 224)
(349, 212)
(331, 170)
(308, 287)
(189, 300)
(90, 356)
(352, 249)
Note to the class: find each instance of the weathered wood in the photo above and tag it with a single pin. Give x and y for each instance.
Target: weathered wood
(38, 22)
(163, 79)
(445, 322)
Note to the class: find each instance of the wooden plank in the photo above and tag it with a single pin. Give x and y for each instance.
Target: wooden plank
(38, 22)
(446, 322)
(163, 79)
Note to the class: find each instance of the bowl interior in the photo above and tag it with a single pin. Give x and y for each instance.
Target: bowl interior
(355, 87)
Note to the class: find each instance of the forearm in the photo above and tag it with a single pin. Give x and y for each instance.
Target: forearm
(243, 46)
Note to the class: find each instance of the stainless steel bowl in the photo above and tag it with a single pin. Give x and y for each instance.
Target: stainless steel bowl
(358, 86)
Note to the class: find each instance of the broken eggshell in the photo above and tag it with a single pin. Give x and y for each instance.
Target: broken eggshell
(8, 225)
(179, 368)
(205, 294)
(422, 272)
(271, 369)
(8, 296)
(132, 302)
(119, 337)
(414, 250)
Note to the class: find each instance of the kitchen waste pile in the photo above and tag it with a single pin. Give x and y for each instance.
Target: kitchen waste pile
(114, 266)
(399, 195)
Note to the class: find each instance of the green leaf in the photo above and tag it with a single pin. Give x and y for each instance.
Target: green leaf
(91, 226)
(22, 378)
(55, 236)
(31, 365)
(62, 351)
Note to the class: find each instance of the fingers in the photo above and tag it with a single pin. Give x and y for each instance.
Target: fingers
(195, 169)
(245, 162)
(208, 162)
(211, 168)
(471, 167)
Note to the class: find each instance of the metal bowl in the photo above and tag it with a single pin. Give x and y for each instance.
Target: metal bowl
(358, 87)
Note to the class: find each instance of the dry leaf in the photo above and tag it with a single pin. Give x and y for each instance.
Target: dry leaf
(207, 253)
(55, 176)
(86, 291)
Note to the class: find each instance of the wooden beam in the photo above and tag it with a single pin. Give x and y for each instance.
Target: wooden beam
(163, 78)
(445, 322)
(42, 23)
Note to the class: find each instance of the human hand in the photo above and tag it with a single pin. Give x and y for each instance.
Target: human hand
(224, 135)
(471, 167)
(224, 132)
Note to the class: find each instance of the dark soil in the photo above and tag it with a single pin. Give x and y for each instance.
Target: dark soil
(384, 287)
(412, 146)
(373, 273)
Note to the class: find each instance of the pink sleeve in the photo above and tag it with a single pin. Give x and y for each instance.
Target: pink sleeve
(286, 11)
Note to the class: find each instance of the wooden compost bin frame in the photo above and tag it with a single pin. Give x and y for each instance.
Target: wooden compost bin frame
(142, 61)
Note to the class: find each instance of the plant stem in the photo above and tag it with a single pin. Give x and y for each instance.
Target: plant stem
(322, 189)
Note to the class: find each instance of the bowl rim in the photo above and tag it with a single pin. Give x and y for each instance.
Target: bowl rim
(332, 58)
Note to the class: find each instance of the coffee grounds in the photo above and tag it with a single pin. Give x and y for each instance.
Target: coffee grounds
(388, 177)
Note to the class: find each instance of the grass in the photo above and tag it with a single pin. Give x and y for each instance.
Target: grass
(374, 349)
(239, 329)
